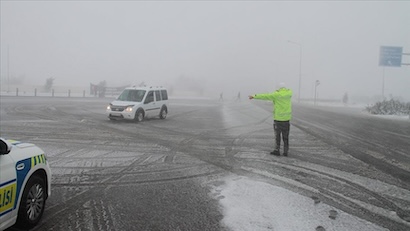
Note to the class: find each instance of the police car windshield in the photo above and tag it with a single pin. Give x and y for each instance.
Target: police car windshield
(132, 95)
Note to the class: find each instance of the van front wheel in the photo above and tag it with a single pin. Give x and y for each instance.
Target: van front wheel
(139, 115)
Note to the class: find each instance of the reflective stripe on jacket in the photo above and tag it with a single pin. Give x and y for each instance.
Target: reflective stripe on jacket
(282, 103)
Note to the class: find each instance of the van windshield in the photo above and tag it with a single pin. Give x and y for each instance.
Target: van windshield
(132, 95)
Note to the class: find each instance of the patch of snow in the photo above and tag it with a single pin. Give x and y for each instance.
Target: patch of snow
(251, 205)
(394, 117)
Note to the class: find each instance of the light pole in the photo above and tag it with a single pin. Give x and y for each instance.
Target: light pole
(300, 66)
(8, 69)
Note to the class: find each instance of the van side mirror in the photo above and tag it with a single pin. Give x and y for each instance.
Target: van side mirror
(5, 147)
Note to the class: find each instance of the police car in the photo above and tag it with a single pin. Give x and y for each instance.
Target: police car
(25, 180)
(137, 103)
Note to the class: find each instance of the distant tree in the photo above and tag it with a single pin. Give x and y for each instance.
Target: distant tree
(49, 84)
(345, 98)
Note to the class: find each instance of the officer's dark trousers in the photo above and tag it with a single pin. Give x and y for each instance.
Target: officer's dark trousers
(281, 129)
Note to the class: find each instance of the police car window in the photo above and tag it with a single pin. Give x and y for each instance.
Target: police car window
(157, 95)
(164, 95)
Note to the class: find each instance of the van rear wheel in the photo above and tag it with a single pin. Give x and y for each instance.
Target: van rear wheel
(163, 113)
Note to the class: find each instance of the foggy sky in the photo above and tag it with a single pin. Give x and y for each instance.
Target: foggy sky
(226, 46)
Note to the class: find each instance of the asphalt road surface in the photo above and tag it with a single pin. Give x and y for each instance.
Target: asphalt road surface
(158, 174)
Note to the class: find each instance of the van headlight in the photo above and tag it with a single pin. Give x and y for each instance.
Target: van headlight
(128, 109)
(109, 107)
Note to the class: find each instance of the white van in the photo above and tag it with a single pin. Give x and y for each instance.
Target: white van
(137, 103)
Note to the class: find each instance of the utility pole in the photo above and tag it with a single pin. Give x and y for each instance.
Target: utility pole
(316, 84)
(8, 69)
(383, 84)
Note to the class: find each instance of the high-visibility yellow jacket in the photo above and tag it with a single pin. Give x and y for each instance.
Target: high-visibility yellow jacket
(282, 103)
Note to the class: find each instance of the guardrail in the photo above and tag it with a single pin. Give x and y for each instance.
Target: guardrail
(34, 91)
(53, 93)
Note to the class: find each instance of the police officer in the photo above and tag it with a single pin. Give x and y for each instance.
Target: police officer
(282, 114)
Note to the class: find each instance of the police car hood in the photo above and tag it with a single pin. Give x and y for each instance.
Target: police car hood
(124, 103)
(21, 150)
(19, 144)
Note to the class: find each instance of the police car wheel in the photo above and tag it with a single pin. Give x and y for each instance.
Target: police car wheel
(32, 203)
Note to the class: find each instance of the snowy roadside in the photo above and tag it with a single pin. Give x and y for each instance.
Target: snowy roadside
(362, 107)
(393, 117)
(251, 205)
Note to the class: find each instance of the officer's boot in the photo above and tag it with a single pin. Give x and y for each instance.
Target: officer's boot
(285, 150)
(276, 150)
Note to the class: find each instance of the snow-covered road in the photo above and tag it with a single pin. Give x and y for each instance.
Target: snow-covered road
(206, 167)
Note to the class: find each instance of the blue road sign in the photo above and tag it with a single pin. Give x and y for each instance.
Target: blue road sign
(390, 56)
